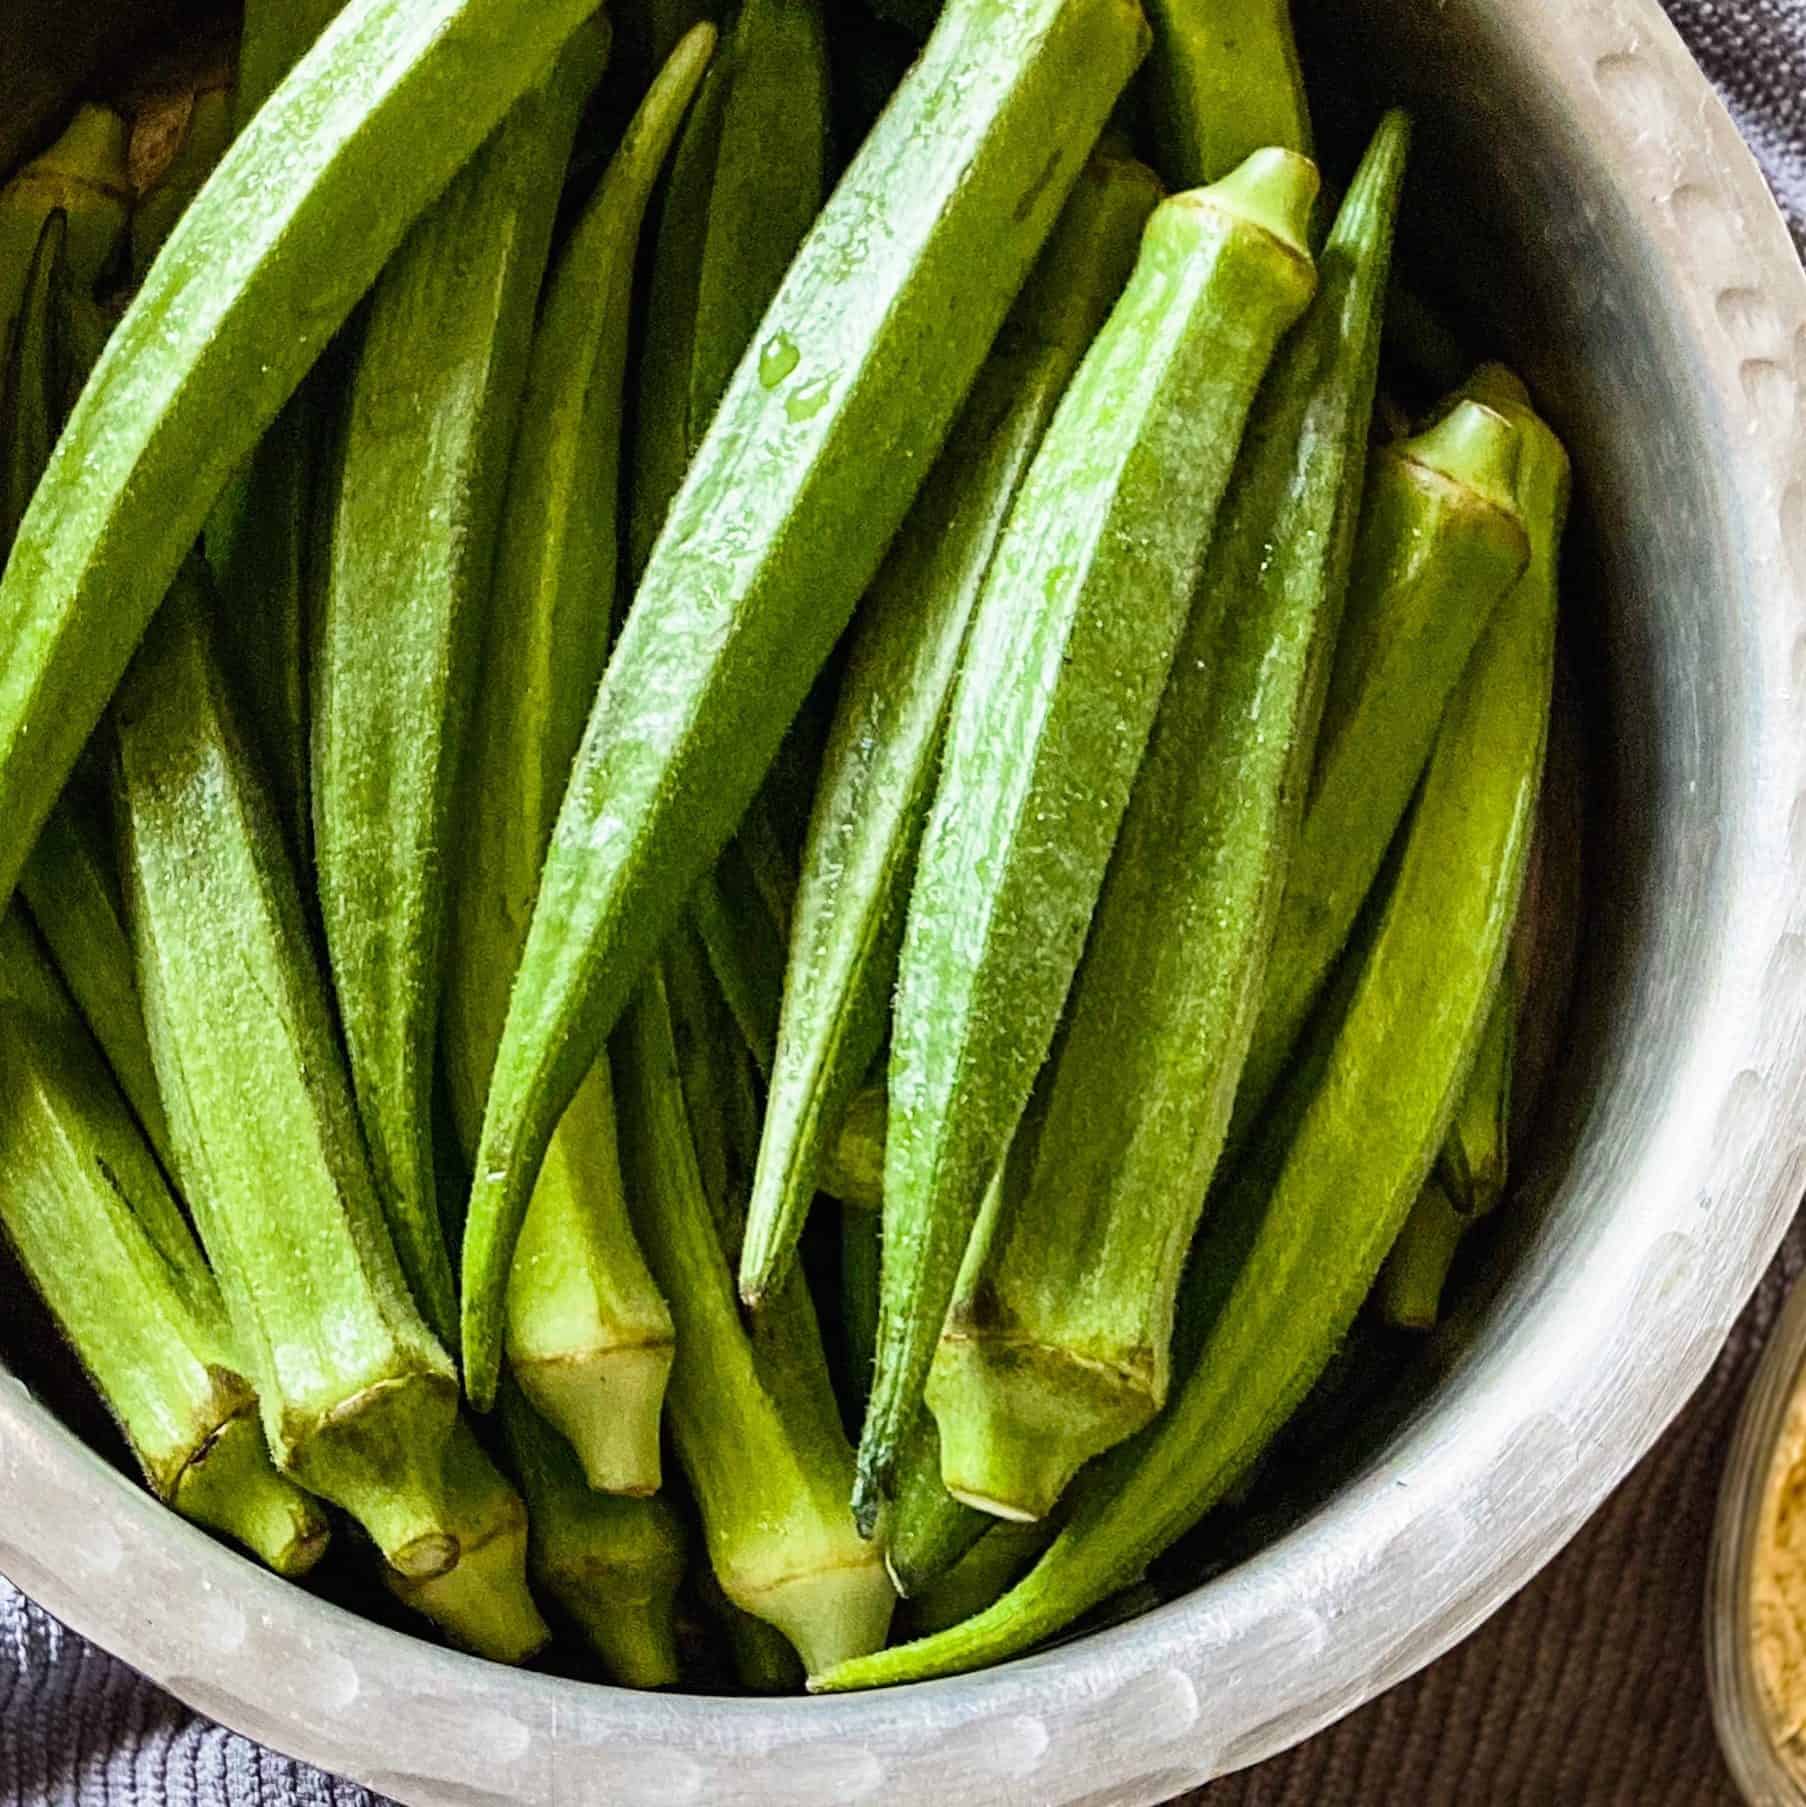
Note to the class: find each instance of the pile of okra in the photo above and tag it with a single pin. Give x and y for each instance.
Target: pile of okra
(764, 811)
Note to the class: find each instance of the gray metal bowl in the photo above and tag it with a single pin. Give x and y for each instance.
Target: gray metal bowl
(1605, 215)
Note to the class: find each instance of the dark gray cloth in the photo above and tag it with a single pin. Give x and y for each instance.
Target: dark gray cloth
(1586, 1691)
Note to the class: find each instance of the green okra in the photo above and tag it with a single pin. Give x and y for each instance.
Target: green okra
(33, 379)
(745, 953)
(860, 1251)
(1225, 82)
(1068, 652)
(884, 745)
(263, 534)
(83, 176)
(71, 887)
(90, 1216)
(1409, 1291)
(204, 141)
(612, 1565)
(926, 1532)
(435, 394)
(483, 1603)
(852, 1167)
(358, 1400)
(259, 274)
(1057, 1342)
(586, 1333)
(981, 1577)
(803, 476)
(762, 1659)
(747, 180)
(1293, 1244)
(752, 1415)
(1441, 540)
(1473, 1162)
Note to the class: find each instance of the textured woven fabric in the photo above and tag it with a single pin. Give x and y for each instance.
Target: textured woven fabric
(1585, 1691)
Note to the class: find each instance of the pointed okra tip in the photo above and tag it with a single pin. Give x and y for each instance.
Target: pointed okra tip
(1475, 446)
(1272, 189)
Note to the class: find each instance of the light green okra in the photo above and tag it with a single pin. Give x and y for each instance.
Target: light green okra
(1068, 653)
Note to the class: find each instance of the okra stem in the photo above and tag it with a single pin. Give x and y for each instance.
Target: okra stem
(1057, 1343)
(1069, 650)
(614, 1565)
(358, 1400)
(83, 1203)
(884, 745)
(482, 1604)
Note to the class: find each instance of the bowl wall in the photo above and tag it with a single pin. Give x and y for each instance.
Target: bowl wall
(1584, 198)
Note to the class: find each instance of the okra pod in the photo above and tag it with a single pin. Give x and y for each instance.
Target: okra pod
(1472, 1164)
(613, 1565)
(1057, 1342)
(71, 886)
(482, 1604)
(90, 1216)
(981, 1577)
(435, 394)
(83, 176)
(33, 377)
(852, 1168)
(1292, 1246)
(1409, 1292)
(253, 282)
(1224, 81)
(754, 1422)
(264, 534)
(358, 1400)
(860, 1252)
(1441, 540)
(586, 1333)
(746, 183)
(909, 269)
(884, 744)
(926, 1531)
(1068, 653)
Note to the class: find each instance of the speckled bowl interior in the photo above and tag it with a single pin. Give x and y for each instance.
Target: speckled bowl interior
(1581, 202)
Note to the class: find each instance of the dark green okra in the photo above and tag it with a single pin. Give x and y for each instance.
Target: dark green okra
(1068, 653)
(435, 393)
(1293, 1244)
(90, 1216)
(1441, 540)
(358, 1400)
(613, 1565)
(884, 745)
(586, 1333)
(1057, 1342)
(252, 284)
(1225, 81)
(802, 478)
(752, 1415)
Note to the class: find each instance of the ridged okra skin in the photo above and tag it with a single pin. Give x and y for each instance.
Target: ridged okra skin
(254, 281)
(1068, 654)
(435, 393)
(1441, 540)
(1057, 1342)
(752, 1416)
(358, 1399)
(586, 1333)
(883, 748)
(802, 478)
(1224, 81)
(90, 1217)
(1293, 1245)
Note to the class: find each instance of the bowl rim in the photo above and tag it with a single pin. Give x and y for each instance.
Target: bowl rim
(1227, 1674)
